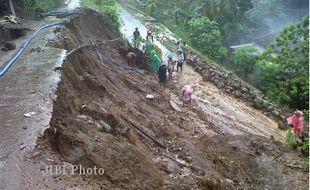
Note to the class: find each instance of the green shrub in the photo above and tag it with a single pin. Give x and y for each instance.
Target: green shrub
(290, 139)
(33, 7)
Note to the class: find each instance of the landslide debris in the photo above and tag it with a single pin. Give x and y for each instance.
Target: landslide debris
(99, 105)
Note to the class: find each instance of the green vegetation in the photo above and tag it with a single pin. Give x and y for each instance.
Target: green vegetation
(107, 7)
(203, 31)
(245, 60)
(290, 139)
(210, 25)
(285, 78)
(36, 6)
(149, 46)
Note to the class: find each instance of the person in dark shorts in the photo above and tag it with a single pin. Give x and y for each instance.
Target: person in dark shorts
(180, 60)
(136, 35)
(162, 75)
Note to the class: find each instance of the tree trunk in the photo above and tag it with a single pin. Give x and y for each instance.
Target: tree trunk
(12, 8)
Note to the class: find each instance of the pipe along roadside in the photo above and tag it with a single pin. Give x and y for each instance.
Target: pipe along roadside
(7, 66)
(4, 70)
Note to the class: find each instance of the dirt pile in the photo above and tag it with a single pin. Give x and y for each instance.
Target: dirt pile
(99, 105)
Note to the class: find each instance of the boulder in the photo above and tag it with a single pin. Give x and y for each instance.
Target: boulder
(244, 90)
(270, 108)
(258, 103)
(275, 112)
(236, 85)
(221, 85)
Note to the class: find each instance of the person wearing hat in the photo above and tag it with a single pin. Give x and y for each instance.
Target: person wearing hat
(297, 123)
(180, 60)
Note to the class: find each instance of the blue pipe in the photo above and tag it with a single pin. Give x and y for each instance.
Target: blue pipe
(22, 49)
(57, 13)
(115, 62)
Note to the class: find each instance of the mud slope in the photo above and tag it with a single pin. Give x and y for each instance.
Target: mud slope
(98, 104)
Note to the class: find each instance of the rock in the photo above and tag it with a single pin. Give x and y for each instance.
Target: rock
(228, 91)
(237, 94)
(275, 112)
(188, 159)
(270, 108)
(25, 127)
(221, 85)
(258, 103)
(30, 114)
(265, 104)
(150, 96)
(237, 85)
(23, 146)
(57, 68)
(103, 126)
(216, 81)
(10, 45)
(83, 117)
(123, 131)
(244, 90)
(175, 106)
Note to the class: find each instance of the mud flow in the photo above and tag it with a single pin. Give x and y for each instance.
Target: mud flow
(101, 109)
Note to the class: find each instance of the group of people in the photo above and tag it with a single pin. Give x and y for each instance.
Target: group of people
(149, 35)
(165, 71)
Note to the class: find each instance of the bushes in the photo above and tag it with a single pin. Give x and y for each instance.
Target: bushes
(286, 77)
(290, 139)
(245, 60)
(33, 7)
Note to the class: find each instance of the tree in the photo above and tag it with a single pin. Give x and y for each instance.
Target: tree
(290, 69)
(245, 60)
(205, 35)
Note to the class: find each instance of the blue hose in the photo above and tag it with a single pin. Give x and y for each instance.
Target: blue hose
(22, 49)
(57, 13)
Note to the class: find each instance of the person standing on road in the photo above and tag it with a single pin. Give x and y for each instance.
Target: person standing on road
(170, 66)
(162, 75)
(180, 60)
(149, 32)
(156, 61)
(136, 35)
(131, 59)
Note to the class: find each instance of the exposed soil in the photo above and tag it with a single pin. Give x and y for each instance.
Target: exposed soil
(217, 143)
